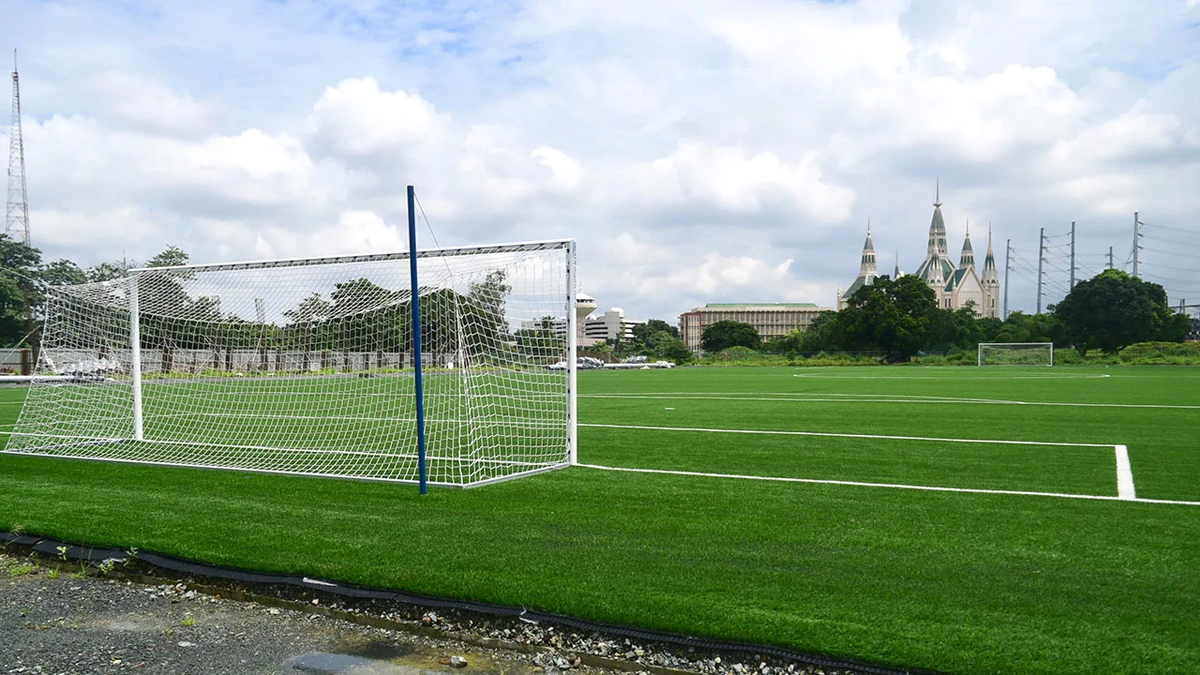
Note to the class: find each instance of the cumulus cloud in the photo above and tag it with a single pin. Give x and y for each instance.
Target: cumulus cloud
(698, 150)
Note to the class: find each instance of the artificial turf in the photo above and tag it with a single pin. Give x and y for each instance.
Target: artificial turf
(960, 582)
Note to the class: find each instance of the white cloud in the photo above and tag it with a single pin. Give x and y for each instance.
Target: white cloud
(700, 150)
(356, 119)
(727, 178)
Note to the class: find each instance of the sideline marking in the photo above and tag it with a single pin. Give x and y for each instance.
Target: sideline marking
(939, 376)
(829, 434)
(898, 486)
(883, 398)
(1125, 488)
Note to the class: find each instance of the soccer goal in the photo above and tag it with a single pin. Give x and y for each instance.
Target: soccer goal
(307, 366)
(1016, 353)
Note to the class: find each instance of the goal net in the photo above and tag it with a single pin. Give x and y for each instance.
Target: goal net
(307, 366)
(1016, 353)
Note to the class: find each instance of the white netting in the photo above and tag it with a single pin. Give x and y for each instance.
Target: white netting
(306, 366)
(1016, 353)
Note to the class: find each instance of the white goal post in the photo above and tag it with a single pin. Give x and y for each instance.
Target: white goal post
(306, 366)
(1016, 354)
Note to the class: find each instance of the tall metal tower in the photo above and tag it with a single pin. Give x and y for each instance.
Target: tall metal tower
(16, 220)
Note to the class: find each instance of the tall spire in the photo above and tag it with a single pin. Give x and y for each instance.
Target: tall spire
(16, 221)
(937, 229)
(896, 272)
(968, 254)
(989, 263)
(937, 193)
(868, 267)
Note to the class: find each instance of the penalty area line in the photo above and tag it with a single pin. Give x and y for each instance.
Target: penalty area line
(894, 486)
(1125, 489)
(828, 434)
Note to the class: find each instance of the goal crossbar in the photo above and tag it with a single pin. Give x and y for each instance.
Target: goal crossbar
(372, 257)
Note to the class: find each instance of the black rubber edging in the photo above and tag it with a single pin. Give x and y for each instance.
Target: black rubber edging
(94, 554)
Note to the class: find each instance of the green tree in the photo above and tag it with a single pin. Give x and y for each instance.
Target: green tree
(891, 316)
(725, 334)
(62, 272)
(823, 335)
(666, 346)
(19, 291)
(644, 331)
(1113, 310)
(107, 271)
(171, 256)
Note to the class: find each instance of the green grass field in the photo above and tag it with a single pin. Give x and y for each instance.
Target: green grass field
(914, 550)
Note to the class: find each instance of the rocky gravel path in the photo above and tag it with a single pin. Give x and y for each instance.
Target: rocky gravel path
(55, 619)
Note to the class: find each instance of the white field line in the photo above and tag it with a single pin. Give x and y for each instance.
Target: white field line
(35, 452)
(939, 376)
(897, 486)
(827, 434)
(1125, 489)
(886, 399)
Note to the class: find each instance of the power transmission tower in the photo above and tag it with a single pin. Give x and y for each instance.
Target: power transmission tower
(1007, 258)
(1041, 259)
(1137, 241)
(1072, 285)
(1110, 258)
(16, 221)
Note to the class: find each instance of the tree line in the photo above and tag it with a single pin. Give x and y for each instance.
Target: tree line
(654, 339)
(897, 319)
(358, 315)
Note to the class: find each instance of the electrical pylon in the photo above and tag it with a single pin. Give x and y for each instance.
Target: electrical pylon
(16, 220)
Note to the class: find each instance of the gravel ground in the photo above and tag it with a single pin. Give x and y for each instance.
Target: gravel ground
(53, 619)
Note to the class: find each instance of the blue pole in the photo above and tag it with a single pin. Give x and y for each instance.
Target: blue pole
(416, 328)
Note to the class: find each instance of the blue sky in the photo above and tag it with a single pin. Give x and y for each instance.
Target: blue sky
(699, 150)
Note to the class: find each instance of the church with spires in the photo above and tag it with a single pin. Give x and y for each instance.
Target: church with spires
(953, 286)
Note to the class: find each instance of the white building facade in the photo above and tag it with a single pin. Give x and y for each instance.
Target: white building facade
(610, 325)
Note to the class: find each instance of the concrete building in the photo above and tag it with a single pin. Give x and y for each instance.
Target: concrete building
(610, 325)
(769, 319)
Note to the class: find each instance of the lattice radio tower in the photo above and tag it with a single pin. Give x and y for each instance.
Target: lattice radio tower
(16, 221)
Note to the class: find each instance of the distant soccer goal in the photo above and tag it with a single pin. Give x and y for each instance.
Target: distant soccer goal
(307, 366)
(1016, 353)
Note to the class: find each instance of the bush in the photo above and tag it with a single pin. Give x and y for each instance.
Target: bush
(1162, 353)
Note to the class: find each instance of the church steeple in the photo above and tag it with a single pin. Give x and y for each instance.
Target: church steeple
(896, 273)
(991, 282)
(937, 228)
(968, 255)
(989, 264)
(868, 268)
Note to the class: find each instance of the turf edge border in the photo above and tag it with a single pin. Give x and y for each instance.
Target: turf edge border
(182, 568)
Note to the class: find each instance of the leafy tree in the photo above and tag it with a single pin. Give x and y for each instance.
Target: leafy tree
(171, 256)
(171, 319)
(107, 271)
(824, 334)
(892, 316)
(784, 344)
(725, 334)
(542, 338)
(19, 292)
(62, 272)
(666, 346)
(644, 331)
(1113, 310)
